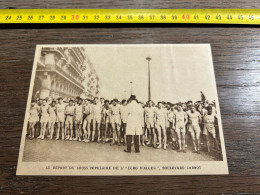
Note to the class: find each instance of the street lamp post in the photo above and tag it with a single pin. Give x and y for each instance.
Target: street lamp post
(131, 82)
(149, 79)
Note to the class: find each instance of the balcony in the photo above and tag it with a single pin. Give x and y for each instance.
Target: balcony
(57, 50)
(74, 66)
(63, 73)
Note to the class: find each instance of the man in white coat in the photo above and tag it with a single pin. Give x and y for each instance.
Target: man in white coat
(134, 124)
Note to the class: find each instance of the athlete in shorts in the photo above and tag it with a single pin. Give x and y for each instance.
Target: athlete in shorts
(161, 117)
(149, 115)
(209, 128)
(88, 112)
(44, 118)
(33, 119)
(38, 124)
(102, 122)
(171, 122)
(60, 108)
(97, 114)
(115, 121)
(180, 127)
(78, 119)
(53, 117)
(106, 121)
(194, 120)
(69, 112)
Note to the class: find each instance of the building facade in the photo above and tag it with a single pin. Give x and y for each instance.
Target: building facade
(60, 73)
(65, 72)
(92, 82)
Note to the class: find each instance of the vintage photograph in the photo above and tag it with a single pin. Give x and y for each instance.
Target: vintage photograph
(122, 109)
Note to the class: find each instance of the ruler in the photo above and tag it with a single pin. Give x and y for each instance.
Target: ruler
(200, 16)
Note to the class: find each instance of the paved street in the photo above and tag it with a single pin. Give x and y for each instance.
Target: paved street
(72, 151)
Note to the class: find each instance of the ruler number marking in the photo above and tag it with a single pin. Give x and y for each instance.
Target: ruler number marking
(63, 17)
(30, 18)
(218, 17)
(196, 17)
(52, 17)
(251, 17)
(240, 17)
(174, 17)
(107, 17)
(151, 17)
(118, 17)
(19, 17)
(229, 17)
(41, 17)
(163, 17)
(74, 17)
(186, 17)
(207, 17)
(8, 18)
(140, 17)
(130, 17)
(85, 17)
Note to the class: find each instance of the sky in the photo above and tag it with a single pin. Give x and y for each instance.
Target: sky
(178, 72)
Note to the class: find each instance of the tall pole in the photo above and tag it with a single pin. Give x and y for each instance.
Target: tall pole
(131, 82)
(149, 78)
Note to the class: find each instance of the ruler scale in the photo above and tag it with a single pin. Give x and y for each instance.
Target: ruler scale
(192, 16)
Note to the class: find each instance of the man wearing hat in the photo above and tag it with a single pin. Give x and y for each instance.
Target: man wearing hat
(60, 109)
(134, 123)
(194, 119)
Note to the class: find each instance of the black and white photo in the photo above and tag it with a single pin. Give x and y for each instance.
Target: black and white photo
(122, 109)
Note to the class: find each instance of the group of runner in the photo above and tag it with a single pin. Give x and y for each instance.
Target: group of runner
(105, 121)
